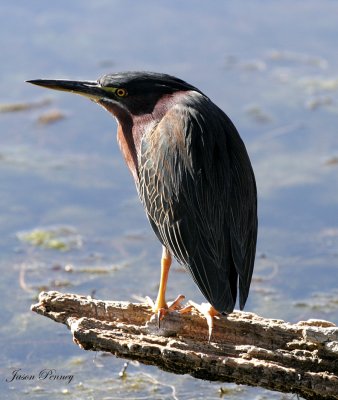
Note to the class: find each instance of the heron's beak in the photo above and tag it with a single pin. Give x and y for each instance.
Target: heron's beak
(88, 89)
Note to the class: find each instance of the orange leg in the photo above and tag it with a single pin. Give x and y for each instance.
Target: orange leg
(165, 266)
(160, 307)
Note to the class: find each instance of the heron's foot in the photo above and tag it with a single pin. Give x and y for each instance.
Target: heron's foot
(208, 312)
(162, 310)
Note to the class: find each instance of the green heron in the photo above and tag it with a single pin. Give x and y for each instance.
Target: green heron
(193, 176)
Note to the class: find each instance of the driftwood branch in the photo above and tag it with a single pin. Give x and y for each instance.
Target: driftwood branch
(245, 348)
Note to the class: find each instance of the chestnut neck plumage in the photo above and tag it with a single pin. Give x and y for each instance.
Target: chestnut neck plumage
(132, 127)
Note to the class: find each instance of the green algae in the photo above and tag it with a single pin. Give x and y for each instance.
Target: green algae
(56, 238)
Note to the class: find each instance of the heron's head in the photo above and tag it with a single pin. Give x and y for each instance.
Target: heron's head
(125, 93)
(138, 100)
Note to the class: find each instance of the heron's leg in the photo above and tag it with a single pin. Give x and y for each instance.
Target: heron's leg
(165, 266)
(160, 307)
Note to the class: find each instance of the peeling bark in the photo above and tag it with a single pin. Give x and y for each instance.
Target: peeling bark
(245, 348)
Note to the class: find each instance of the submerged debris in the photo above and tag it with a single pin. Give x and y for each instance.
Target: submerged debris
(123, 372)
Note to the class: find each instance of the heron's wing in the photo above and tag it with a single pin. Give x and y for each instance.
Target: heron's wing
(187, 187)
(242, 214)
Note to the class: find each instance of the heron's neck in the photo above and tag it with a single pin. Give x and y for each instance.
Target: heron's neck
(131, 128)
(144, 123)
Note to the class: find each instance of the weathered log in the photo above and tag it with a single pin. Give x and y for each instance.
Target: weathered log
(245, 348)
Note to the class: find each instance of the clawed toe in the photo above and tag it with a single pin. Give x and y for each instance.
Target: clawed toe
(161, 312)
(207, 310)
(176, 304)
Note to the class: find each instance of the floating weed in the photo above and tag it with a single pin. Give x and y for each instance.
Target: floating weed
(320, 301)
(316, 102)
(77, 361)
(266, 268)
(100, 270)
(296, 57)
(333, 161)
(50, 117)
(319, 83)
(228, 391)
(91, 269)
(37, 389)
(257, 113)
(37, 276)
(59, 283)
(23, 106)
(145, 383)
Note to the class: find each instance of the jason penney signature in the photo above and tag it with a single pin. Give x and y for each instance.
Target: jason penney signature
(47, 374)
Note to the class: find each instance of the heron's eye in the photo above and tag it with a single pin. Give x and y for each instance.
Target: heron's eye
(121, 92)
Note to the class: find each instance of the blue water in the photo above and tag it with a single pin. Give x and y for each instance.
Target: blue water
(271, 66)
